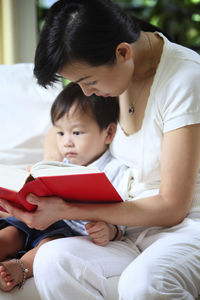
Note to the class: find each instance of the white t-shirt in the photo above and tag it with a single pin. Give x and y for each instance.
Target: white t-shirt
(174, 102)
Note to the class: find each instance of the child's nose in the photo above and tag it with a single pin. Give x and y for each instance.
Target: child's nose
(68, 142)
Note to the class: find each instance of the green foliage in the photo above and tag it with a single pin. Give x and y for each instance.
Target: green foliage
(65, 81)
(180, 19)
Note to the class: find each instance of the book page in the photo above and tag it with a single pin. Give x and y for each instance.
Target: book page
(56, 168)
(12, 178)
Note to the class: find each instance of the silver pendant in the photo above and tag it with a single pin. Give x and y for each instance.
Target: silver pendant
(131, 109)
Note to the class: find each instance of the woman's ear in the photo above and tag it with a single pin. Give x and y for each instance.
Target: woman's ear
(124, 52)
(110, 133)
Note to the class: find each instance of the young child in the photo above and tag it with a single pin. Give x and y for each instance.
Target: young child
(85, 127)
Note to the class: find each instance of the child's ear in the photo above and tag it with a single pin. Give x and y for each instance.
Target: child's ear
(110, 133)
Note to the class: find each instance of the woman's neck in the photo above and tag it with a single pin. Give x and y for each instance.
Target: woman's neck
(134, 100)
(146, 55)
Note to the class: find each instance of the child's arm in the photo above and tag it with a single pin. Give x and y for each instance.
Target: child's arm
(102, 233)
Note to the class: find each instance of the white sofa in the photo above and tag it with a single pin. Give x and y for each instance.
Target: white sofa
(24, 121)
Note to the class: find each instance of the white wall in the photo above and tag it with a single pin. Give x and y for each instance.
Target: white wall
(25, 21)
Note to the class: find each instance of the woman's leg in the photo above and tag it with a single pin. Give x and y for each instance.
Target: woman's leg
(76, 268)
(168, 268)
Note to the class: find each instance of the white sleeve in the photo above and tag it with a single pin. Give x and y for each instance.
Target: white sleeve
(180, 99)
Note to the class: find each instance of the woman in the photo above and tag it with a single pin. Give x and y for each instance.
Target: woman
(96, 45)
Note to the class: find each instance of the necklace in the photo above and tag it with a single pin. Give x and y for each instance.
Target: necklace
(131, 109)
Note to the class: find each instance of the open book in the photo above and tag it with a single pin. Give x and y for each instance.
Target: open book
(52, 178)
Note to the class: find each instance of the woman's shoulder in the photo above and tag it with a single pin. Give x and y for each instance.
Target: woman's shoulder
(178, 66)
(176, 52)
(176, 89)
(178, 73)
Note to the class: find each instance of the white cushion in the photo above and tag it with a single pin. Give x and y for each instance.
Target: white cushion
(29, 291)
(24, 114)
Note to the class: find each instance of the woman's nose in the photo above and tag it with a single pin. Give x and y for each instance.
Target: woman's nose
(88, 91)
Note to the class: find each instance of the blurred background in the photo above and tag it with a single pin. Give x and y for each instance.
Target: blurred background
(22, 20)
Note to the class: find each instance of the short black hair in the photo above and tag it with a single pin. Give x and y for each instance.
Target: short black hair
(81, 30)
(105, 110)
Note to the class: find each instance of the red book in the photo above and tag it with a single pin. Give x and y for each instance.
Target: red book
(51, 178)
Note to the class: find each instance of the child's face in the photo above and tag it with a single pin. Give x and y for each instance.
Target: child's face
(79, 138)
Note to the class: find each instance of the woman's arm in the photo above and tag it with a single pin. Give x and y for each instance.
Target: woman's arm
(180, 162)
(51, 151)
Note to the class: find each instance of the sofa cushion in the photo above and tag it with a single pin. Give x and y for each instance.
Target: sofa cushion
(24, 114)
(29, 291)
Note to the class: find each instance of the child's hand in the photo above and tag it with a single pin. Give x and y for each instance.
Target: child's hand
(28, 168)
(100, 232)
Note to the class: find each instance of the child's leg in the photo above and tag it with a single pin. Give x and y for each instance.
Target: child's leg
(28, 258)
(11, 241)
(11, 273)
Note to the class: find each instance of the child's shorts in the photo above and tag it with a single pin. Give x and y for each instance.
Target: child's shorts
(34, 236)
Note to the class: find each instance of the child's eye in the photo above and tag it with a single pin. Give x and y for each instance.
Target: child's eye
(60, 133)
(76, 132)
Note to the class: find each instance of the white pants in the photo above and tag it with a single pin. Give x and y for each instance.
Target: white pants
(168, 266)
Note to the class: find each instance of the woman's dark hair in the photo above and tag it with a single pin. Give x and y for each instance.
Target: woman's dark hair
(104, 110)
(82, 30)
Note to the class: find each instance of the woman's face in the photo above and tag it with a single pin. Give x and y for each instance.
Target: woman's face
(106, 80)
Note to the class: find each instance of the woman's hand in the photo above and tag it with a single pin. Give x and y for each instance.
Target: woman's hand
(4, 214)
(49, 210)
(100, 232)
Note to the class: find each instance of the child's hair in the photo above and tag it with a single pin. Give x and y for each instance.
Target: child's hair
(104, 110)
(83, 30)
